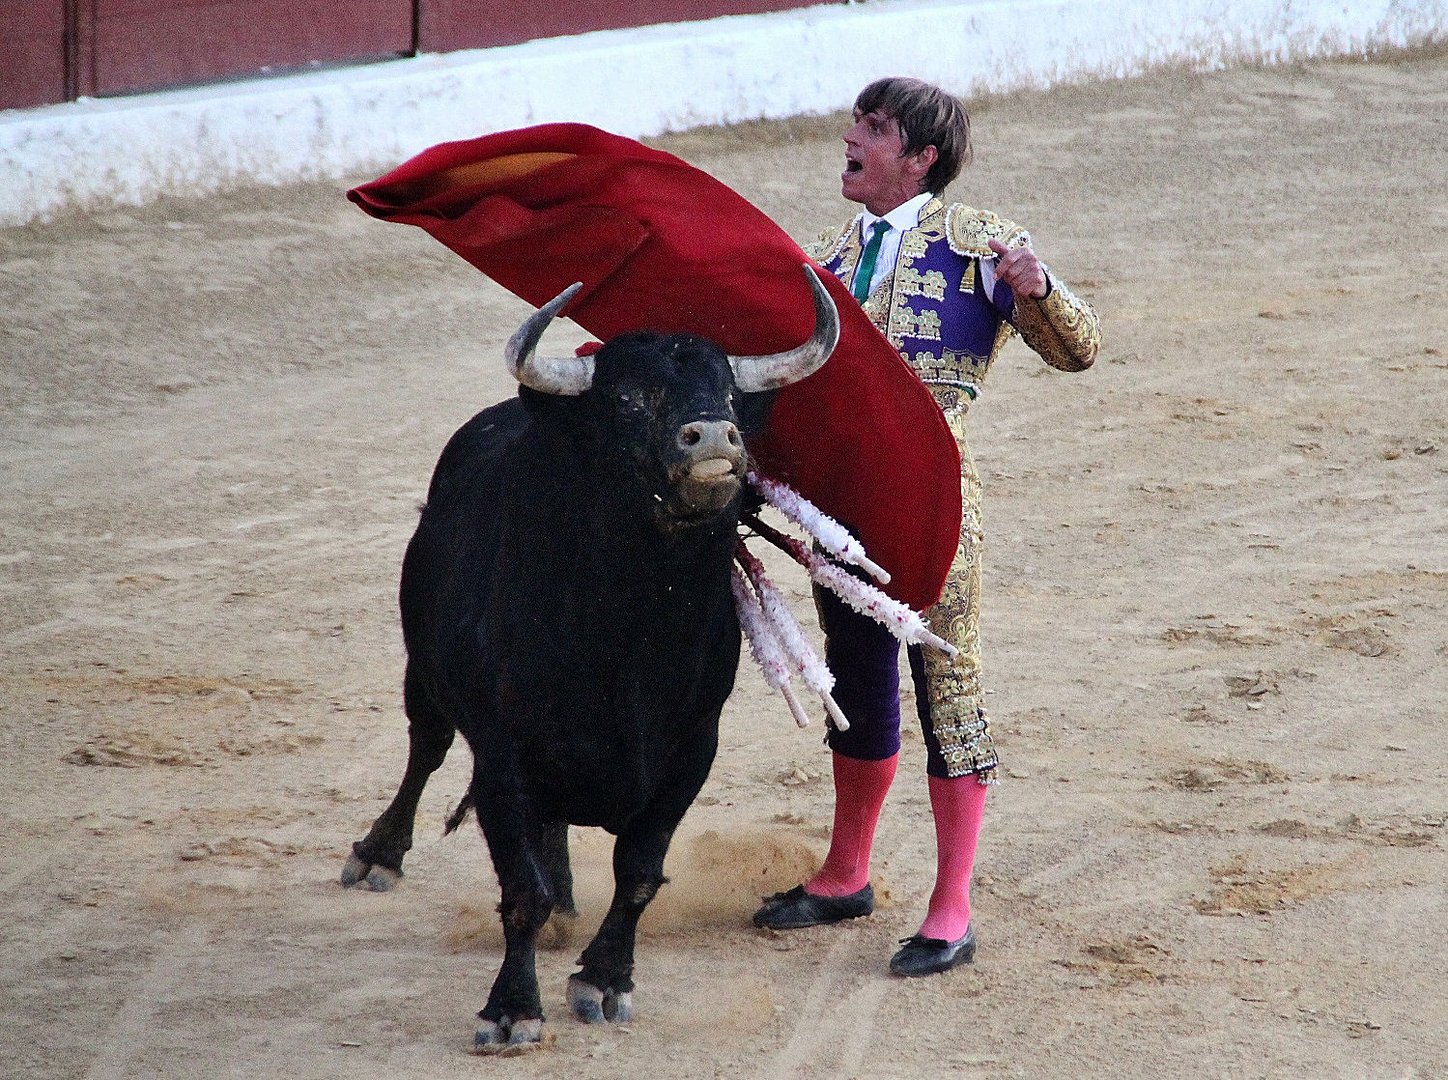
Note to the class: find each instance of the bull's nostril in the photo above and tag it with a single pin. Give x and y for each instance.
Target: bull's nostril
(712, 436)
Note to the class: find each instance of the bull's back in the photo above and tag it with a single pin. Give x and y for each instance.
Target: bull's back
(449, 559)
(475, 454)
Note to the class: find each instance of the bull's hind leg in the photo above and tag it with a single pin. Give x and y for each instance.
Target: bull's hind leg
(551, 842)
(376, 859)
(512, 1019)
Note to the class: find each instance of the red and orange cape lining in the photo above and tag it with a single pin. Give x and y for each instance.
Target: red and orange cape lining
(660, 245)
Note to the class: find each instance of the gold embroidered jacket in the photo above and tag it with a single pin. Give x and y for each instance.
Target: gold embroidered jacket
(943, 309)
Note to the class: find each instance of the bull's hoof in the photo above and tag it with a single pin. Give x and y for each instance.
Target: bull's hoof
(358, 871)
(506, 1037)
(595, 1006)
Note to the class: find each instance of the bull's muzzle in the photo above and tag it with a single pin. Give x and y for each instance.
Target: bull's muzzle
(713, 462)
(713, 447)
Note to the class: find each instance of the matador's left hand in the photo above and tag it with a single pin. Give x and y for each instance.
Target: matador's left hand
(1020, 269)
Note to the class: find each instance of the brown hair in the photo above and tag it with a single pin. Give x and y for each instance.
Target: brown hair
(927, 116)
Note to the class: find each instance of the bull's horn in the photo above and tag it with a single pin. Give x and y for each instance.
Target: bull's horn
(757, 373)
(568, 376)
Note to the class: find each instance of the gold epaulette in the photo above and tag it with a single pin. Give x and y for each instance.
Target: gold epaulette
(969, 231)
(827, 243)
(1061, 327)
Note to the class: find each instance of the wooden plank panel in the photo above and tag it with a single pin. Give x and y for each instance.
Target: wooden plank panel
(32, 53)
(471, 24)
(148, 44)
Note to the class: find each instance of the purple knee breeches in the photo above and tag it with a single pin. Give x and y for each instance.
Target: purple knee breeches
(865, 659)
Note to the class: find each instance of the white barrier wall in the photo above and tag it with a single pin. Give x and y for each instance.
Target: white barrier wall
(93, 154)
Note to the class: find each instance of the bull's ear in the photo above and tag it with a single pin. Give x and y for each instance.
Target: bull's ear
(756, 373)
(568, 376)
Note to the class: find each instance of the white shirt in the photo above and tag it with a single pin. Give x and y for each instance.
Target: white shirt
(903, 217)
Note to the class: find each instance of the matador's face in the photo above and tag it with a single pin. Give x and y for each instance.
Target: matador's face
(878, 173)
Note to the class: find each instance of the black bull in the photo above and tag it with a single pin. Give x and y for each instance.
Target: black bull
(566, 606)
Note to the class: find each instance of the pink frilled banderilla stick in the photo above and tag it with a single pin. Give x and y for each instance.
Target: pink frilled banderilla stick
(832, 536)
(900, 620)
(776, 640)
(767, 653)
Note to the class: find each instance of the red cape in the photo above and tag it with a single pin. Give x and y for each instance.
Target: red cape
(661, 246)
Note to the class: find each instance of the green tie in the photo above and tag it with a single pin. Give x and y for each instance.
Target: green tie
(860, 287)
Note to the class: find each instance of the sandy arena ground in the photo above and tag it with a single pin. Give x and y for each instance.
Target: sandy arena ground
(1216, 628)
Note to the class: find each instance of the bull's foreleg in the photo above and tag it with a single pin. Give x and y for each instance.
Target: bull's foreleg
(603, 988)
(512, 1019)
(376, 860)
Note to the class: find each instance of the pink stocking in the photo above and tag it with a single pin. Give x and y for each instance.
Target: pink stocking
(958, 806)
(860, 788)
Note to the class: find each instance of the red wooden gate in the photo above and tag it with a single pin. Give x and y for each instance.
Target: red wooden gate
(33, 46)
(57, 50)
(446, 25)
(133, 45)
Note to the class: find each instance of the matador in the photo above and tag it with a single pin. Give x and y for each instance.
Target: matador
(948, 285)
